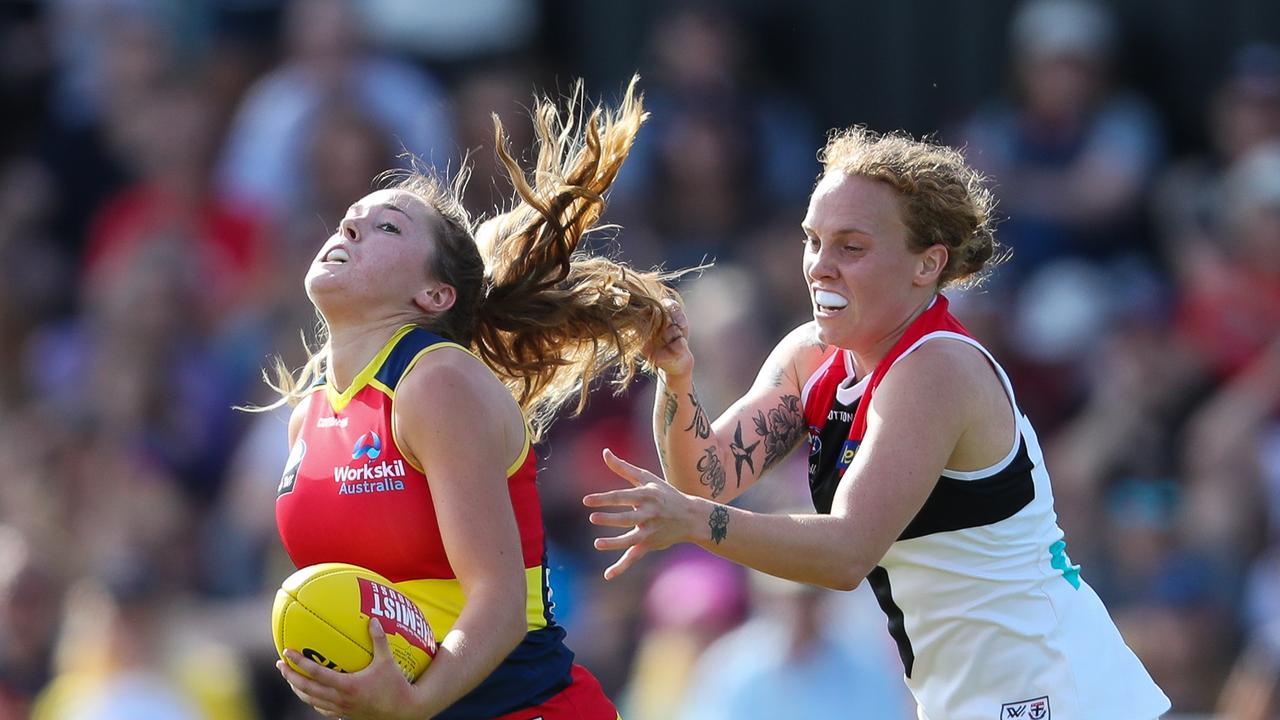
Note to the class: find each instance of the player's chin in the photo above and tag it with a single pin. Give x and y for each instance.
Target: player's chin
(830, 331)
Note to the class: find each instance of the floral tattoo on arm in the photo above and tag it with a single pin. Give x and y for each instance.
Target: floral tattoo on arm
(782, 428)
(719, 523)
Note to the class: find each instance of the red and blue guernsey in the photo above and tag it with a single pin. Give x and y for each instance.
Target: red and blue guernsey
(350, 495)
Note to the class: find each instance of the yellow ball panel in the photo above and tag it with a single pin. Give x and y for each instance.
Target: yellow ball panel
(333, 602)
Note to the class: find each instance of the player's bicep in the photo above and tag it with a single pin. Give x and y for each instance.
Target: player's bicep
(459, 448)
(915, 420)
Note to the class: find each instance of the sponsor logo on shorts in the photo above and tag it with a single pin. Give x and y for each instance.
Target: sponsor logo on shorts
(1033, 709)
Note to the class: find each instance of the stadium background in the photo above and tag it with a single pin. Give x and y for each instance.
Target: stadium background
(169, 167)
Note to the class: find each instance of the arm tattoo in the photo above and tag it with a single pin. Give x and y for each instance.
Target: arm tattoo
(719, 523)
(741, 453)
(670, 403)
(778, 374)
(701, 426)
(781, 429)
(711, 472)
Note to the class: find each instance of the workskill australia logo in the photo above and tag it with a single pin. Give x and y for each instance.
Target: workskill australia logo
(368, 445)
(1033, 709)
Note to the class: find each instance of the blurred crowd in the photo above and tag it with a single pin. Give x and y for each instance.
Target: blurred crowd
(169, 169)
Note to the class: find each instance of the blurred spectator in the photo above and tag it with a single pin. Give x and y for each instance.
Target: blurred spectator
(135, 369)
(1245, 114)
(171, 138)
(111, 54)
(693, 600)
(789, 660)
(30, 606)
(1070, 155)
(718, 143)
(32, 292)
(452, 31)
(116, 662)
(326, 62)
(1231, 295)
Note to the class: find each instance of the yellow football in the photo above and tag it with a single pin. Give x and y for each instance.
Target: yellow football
(323, 611)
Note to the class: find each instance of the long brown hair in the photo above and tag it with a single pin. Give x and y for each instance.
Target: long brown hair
(545, 316)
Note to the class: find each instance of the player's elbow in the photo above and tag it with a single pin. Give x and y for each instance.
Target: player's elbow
(844, 579)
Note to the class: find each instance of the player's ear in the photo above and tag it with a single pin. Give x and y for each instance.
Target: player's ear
(436, 299)
(930, 264)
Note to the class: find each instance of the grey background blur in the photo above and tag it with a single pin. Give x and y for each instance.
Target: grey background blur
(168, 169)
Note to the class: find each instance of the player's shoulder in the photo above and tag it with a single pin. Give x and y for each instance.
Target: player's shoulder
(802, 349)
(452, 383)
(944, 370)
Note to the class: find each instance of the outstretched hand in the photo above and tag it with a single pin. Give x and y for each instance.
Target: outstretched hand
(378, 692)
(657, 515)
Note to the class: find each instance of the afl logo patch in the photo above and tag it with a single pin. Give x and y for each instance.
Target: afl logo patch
(291, 467)
(1033, 709)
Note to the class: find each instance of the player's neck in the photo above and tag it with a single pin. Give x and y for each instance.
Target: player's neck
(865, 360)
(351, 347)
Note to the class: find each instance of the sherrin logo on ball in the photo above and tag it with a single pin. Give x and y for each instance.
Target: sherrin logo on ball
(323, 612)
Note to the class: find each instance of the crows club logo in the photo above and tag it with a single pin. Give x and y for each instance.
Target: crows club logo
(369, 445)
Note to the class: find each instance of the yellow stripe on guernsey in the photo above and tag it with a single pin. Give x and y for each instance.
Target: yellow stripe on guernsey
(338, 400)
(442, 600)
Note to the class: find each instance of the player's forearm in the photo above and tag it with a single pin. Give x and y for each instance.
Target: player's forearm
(814, 549)
(491, 625)
(692, 456)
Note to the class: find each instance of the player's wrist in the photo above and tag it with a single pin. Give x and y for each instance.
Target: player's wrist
(702, 522)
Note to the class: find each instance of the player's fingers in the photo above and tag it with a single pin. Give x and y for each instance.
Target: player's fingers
(378, 636)
(628, 497)
(620, 542)
(308, 691)
(635, 475)
(629, 518)
(316, 673)
(629, 557)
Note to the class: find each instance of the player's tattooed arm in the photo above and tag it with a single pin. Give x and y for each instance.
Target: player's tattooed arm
(742, 453)
(711, 471)
(701, 424)
(781, 428)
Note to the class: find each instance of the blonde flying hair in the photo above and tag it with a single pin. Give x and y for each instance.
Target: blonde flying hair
(546, 317)
(944, 201)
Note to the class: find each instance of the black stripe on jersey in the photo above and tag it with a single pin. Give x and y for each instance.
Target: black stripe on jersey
(403, 353)
(952, 505)
(959, 504)
(879, 579)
